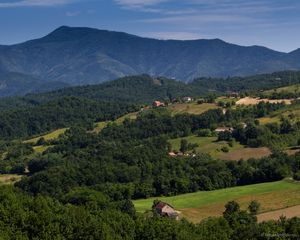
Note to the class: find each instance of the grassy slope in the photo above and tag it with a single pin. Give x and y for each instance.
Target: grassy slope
(289, 89)
(131, 116)
(192, 108)
(8, 179)
(50, 136)
(208, 145)
(199, 205)
(292, 112)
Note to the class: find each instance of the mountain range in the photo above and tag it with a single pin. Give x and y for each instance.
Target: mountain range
(80, 56)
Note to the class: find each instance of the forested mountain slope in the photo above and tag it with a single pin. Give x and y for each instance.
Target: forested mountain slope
(13, 83)
(80, 56)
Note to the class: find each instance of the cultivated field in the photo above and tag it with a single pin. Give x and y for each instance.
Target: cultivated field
(254, 101)
(246, 153)
(275, 215)
(200, 205)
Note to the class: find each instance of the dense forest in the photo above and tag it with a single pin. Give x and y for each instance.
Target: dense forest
(251, 83)
(59, 113)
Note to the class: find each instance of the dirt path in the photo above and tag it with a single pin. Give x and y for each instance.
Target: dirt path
(275, 215)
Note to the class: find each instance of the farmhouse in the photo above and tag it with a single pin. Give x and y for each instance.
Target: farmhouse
(165, 210)
(187, 99)
(172, 154)
(234, 94)
(158, 104)
(224, 129)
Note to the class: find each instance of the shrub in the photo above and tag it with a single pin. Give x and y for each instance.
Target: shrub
(225, 149)
(204, 133)
(297, 176)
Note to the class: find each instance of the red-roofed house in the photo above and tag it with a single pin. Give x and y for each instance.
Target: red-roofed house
(158, 104)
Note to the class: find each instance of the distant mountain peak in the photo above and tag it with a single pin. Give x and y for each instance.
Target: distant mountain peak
(64, 33)
(81, 56)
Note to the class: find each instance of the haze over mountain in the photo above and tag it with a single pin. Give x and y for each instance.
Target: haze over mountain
(80, 56)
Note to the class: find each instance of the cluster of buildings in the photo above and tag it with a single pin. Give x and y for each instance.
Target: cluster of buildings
(180, 154)
(183, 99)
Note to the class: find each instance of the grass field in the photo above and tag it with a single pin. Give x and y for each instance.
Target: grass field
(9, 178)
(99, 126)
(292, 112)
(50, 136)
(265, 120)
(206, 145)
(192, 108)
(226, 99)
(131, 116)
(200, 205)
(40, 149)
(289, 89)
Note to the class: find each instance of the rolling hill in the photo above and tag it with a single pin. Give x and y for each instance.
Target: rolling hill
(80, 56)
(144, 89)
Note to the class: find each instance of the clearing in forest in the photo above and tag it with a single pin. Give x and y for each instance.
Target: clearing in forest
(192, 108)
(200, 205)
(50, 136)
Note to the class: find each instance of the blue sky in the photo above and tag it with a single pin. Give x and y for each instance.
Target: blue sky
(271, 23)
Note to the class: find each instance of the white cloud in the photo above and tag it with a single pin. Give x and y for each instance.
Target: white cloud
(73, 14)
(139, 3)
(173, 35)
(197, 19)
(35, 3)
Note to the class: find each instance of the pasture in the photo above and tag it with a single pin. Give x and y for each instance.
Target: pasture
(8, 179)
(40, 149)
(99, 126)
(200, 205)
(287, 89)
(210, 145)
(131, 116)
(191, 108)
(50, 136)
